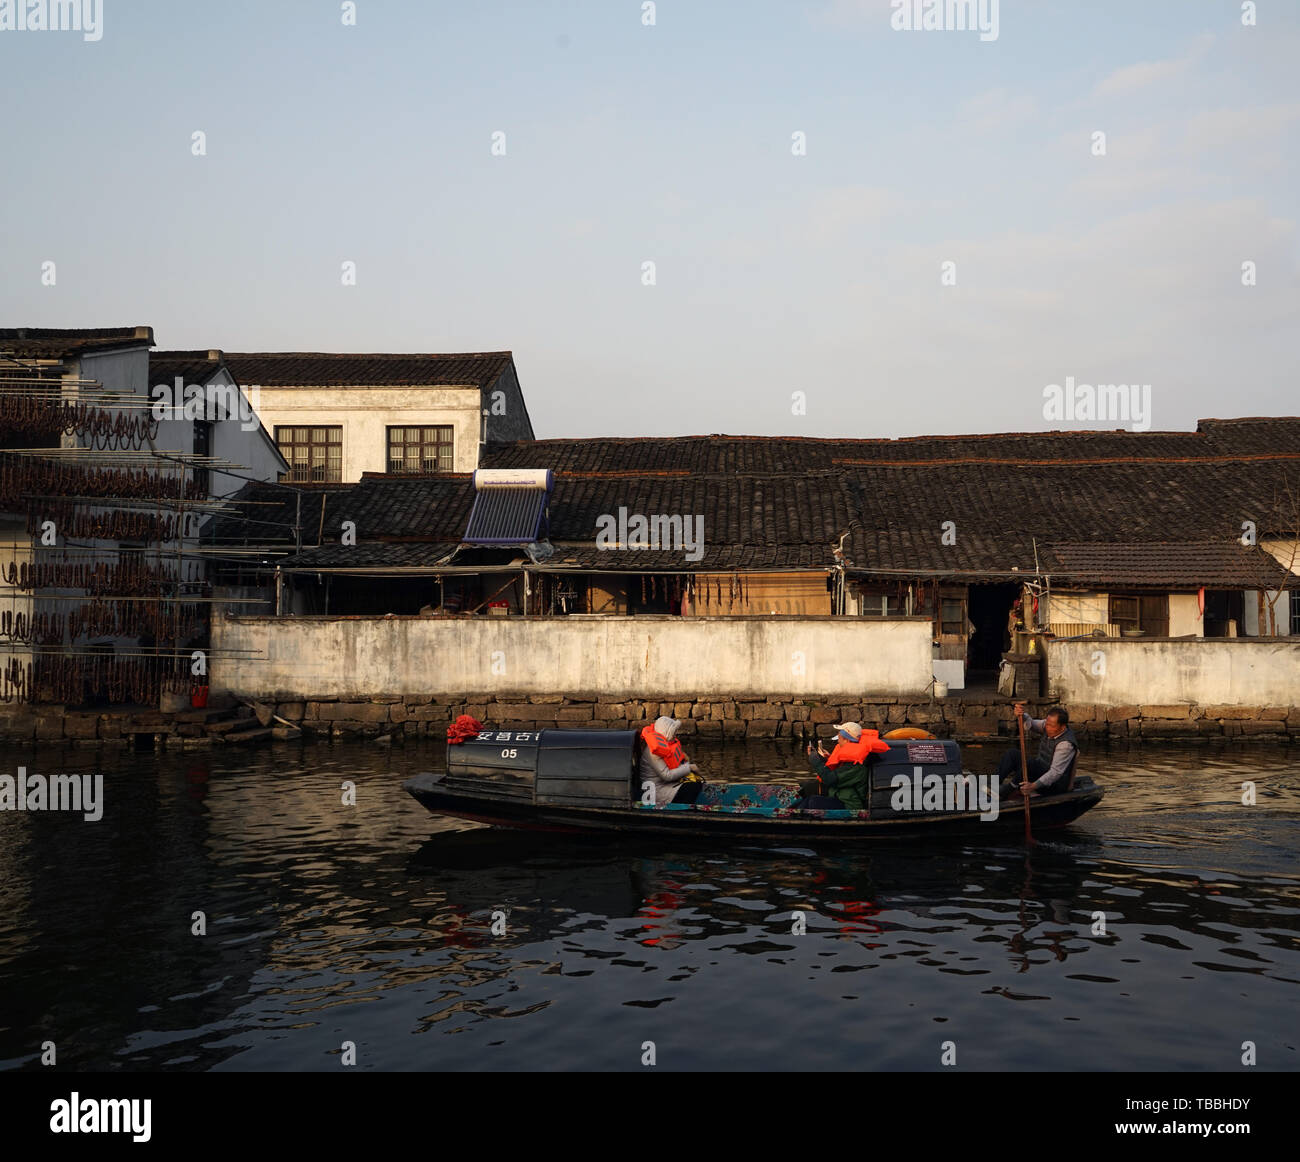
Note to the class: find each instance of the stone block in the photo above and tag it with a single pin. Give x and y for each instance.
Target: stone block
(1176, 711)
(293, 711)
(610, 711)
(1233, 713)
(734, 727)
(48, 726)
(1121, 713)
(1277, 713)
(573, 714)
(1168, 727)
(709, 727)
(1261, 726)
(80, 725)
(764, 727)
(110, 726)
(797, 712)
(976, 725)
(823, 714)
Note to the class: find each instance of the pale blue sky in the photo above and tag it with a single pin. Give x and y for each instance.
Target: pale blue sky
(672, 144)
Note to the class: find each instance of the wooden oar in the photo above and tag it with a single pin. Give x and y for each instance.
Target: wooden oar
(1024, 778)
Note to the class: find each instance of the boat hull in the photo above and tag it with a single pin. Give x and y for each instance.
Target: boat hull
(1046, 813)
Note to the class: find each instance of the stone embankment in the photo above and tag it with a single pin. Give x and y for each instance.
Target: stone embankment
(968, 718)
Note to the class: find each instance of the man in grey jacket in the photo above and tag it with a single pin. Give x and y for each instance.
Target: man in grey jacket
(1053, 768)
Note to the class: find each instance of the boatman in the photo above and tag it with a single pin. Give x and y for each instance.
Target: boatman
(843, 770)
(1050, 773)
(663, 763)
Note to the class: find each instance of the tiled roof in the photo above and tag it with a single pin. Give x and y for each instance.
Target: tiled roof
(778, 503)
(1186, 565)
(427, 508)
(344, 369)
(62, 342)
(194, 367)
(402, 555)
(695, 455)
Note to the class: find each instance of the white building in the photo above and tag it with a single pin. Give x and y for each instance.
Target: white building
(335, 416)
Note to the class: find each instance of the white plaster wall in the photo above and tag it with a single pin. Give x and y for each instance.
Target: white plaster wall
(365, 414)
(618, 656)
(1185, 615)
(1209, 672)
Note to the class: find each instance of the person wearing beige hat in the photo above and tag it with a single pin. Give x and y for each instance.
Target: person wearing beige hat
(844, 770)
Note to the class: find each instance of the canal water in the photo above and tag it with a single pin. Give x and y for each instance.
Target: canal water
(430, 944)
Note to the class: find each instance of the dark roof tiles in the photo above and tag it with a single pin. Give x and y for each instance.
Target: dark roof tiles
(345, 369)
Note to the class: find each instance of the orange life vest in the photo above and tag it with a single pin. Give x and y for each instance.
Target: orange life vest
(857, 752)
(668, 749)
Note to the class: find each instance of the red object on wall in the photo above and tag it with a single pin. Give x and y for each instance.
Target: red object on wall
(1200, 600)
(198, 697)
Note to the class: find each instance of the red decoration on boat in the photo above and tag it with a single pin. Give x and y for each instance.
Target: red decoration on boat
(463, 729)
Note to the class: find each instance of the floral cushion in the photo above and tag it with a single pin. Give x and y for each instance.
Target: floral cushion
(748, 795)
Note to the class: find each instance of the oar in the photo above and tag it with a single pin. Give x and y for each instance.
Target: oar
(1024, 778)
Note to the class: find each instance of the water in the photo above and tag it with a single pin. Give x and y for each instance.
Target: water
(373, 924)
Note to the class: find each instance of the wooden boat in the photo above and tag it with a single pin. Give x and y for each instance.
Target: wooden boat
(589, 780)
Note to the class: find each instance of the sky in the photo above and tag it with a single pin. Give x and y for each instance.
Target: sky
(799, 284)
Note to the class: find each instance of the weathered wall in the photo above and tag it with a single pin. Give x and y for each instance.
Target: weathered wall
(615, 656)
(1208, 672)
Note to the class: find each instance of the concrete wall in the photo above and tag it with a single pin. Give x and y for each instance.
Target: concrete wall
(1157, 671)
(365, 414)
(619, 656)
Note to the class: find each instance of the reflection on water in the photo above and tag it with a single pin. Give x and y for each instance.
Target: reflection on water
(433, 944)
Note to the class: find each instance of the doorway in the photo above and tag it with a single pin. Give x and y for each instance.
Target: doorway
(990, 611)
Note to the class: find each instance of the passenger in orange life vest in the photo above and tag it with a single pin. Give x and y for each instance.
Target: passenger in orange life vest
(663, 763)
(844, 770)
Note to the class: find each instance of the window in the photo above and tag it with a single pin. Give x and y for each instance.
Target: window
(952, 616)
(420, 449)
(1295, 611)
(202, 447)
(1147, 613)
(314, 454)
(878, 603)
